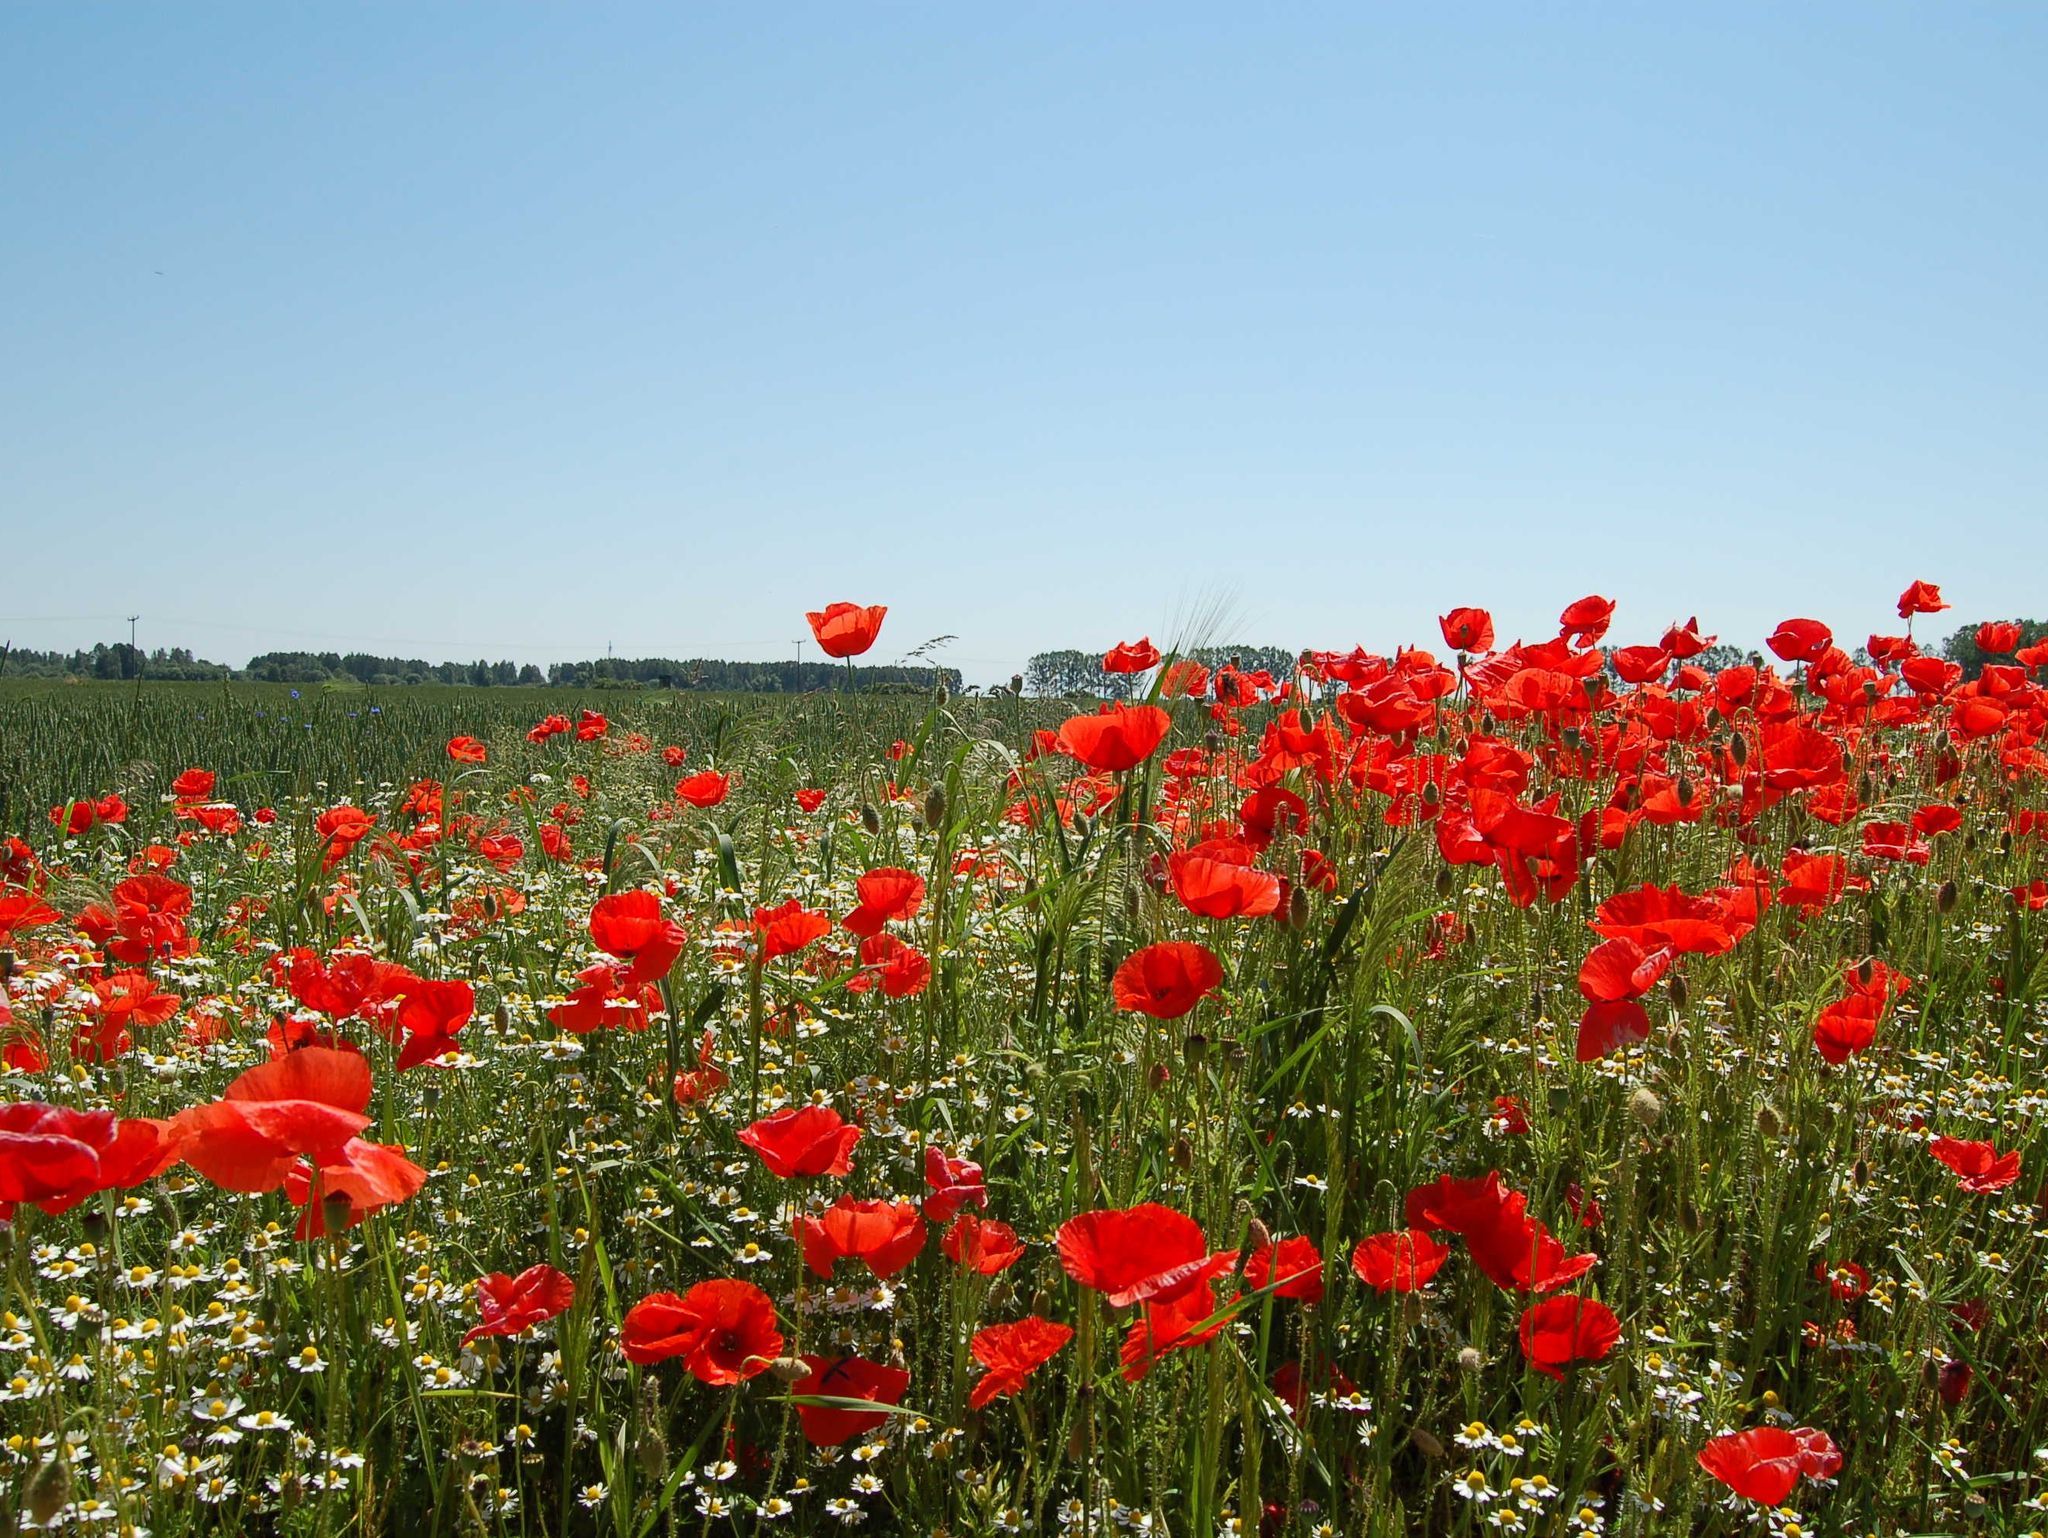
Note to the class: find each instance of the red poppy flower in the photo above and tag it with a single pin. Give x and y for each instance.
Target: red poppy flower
(1587, 620)
(724, 1331)
(887, 893)
(1294, 1264)
(846, 1377)
(1513, 1250)
(342, 1188)
(49, 1153)
(1978, 1164)
(1401, 1261)
(982, 1245)
(1216, 880)
(467, 750)
(885, 1236)
(193, 785)
(1131, 657)
(24, 910)
(631, 926)
(705, 788)
(590, 726)
(846, 629)
(1119, 737)
(803, 1140)
(1142, 1254)
(1666, 918)
(309, 1102)
(955, 1183)
(1560, 1331)
(810, 800)
(1800, 640)
(1612, 978)
(510, 1305)
(902, 970)
(1164, 1327)
(1012, 1353)
(1166, 980)
(1764, 1463)
(706, 1079)
(430, 1014)
(789, 928)
(1921, 598)
(1467, 630)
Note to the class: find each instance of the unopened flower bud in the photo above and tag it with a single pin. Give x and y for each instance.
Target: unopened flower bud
(871, 819)
(48, 1491)
(1768, 1122)
(935, 807)
(1258, 1237)
(1645, 1107)
(1297, 908)
(1945, 898)
(1426, 1444)
(1678, 990)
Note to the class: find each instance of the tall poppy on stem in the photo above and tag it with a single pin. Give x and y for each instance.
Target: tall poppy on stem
(846, 629)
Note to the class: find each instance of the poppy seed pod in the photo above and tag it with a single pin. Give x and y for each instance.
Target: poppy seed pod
(871, 819)
(935, 806)
(335, 1210)
(1017, 683)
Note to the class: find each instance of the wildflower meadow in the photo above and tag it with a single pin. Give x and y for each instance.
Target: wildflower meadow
(1553, 1088)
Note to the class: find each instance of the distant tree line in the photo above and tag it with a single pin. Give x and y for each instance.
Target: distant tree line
(176, 664)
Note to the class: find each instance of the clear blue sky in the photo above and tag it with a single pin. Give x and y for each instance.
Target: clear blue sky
(516, 330)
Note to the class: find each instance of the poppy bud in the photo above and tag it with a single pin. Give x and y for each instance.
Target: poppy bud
(1084, 825)
(1679, 992)
(1685, 790)
(1297, 909)
(1430, 794)
(1426, 1444)
(94, 1222)
(1469, 1359)
(1077, 1441)
(1573, 739)
(871, 819)
(335, 1210)
(1411, 1309)
(935, 807)
(6, 965)
(501, 1017)
(1234, 1050)
(1041, 1302)
(1859, 1173)
(1689, 1215)
(1183, 1154)
(1258, 1237)
(1196, 1047)
(1768, 1122)
(1134, 902)
(1159, 1075)
(1213, 741)
(1001, 1294)
(789, 1369)
(1645, 1107)
(1865, 971)
(1738, 749)
(1945, 898)
(48, 1491)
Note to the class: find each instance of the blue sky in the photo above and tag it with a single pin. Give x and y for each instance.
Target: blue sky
(517, 331)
